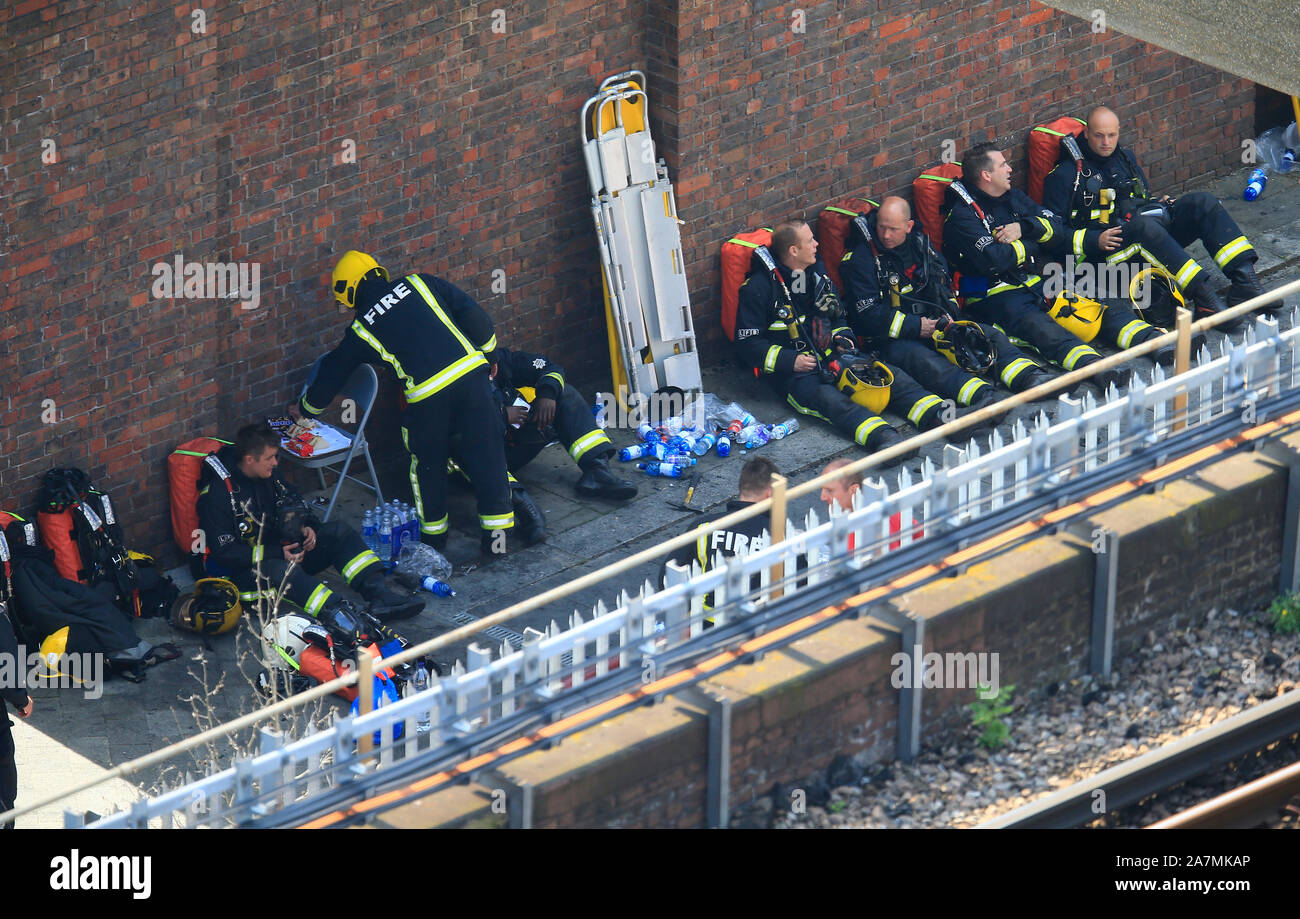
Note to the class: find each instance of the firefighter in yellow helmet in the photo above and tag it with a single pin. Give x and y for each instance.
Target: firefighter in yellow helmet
(435, 337)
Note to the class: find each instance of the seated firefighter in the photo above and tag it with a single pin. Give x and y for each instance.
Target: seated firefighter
(253, 522)
(555, 411)
(1000, 240)
(790, 325)
(1105, 187)
(900, 299)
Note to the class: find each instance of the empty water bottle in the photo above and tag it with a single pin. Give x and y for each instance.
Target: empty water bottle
(682, 443)
(784, 429)
(436, 586)
(418, 560)
(637, 451)
(1271, 149)
(419, 683)
(664, 469)
(598, 409)
(704, 444)
(724, 445)
(647, 433)
(1255, 186)
(680, 460)
(755, 436)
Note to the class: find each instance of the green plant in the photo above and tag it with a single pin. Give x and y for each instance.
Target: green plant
(836, 806)
(1285, 613)
(987, 713)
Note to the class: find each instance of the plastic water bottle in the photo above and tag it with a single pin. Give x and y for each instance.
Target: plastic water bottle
(436, 586)
(682, 443)
(368, 530)
(1254, 187)
(418, 560)
(634, 452)
(758, 437)
(386, 538)
(1271, 149)
(664, 469)
(419, 683)
(681, 460)
(784, 429)
(648, 434)
(724, 445)
(598, 409)
(703, 445)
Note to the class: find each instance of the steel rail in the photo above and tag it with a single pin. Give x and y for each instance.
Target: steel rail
(1145, 775)
(1241, 808)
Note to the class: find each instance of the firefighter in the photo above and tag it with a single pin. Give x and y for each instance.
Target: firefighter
(795, 366)
(435, 337)
(1107, 187)
(254, 522)
(22, 704)
(744, 538)
(555, 411)
(899, 292)
(996, 237)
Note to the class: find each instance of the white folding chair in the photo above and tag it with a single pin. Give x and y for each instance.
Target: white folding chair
(361, 387)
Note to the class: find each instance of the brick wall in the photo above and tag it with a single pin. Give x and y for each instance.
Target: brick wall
(231, 143)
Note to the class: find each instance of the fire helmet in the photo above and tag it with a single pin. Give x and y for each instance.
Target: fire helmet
(351, 270)
(965, 344)
(864, 380)
(212, 609)
(1080, 316)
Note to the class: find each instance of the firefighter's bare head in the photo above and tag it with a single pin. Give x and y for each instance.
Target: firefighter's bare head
(841, 489)
(984, 167)
(258, 447)
(893, 222)
(1102, 132)
(756, 478)
(793, 244)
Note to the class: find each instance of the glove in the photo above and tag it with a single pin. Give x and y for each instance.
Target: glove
(844, 343)
(828, 304)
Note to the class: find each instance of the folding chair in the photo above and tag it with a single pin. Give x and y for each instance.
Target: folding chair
(361, 387)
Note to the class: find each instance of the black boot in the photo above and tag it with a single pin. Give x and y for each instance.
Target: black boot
(1246, 286)
(1102, 381)
(435, 541)
(986, 398)
(1037, 376)
(599, 482)
(387, 604)
(530, 525)
(883, 437)
(1167, 355)
(1205, 301)
(493, 544)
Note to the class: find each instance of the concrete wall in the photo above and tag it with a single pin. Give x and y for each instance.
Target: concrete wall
(1210, 541)
(234, 143)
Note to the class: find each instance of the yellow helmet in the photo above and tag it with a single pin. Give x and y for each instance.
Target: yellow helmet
(52, 648)
(1156, 296)
(965, 344)
(349, 272)
(865, 381)
(212, 609)
(1080, 316)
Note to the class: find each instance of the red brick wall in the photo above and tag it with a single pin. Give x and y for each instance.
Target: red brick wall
(227, 146)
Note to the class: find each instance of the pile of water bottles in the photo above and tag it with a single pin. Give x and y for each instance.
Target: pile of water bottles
(1275, 151)
(674, 446)
(392, 532)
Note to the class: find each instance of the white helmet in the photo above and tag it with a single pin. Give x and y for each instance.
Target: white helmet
(283, 642)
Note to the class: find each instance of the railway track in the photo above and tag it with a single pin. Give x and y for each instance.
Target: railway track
(1142, 778)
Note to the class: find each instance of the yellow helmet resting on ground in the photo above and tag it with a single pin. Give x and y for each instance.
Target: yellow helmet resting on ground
(212, 609)
(352, 268)
(53, 647)
(1080, 316)
(865, 381)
